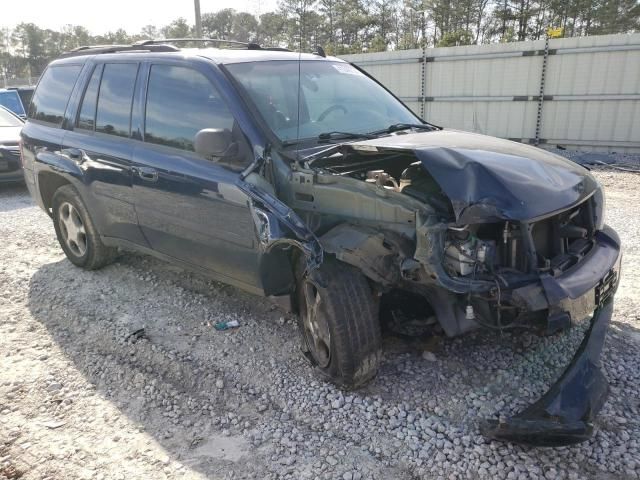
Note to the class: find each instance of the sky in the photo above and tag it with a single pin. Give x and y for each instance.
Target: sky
(103, 16)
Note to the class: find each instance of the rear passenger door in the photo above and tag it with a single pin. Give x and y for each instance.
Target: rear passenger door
(188, 207)
(101, 136)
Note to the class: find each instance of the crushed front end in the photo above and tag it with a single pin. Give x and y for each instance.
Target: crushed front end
(577, 279)
(492, 234)
(549, 274)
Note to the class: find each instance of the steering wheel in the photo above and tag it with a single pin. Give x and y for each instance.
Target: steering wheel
(331, 109)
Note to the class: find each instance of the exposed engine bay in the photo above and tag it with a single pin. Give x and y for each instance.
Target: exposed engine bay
(480, 249)
(426, 240)
(400, 173)
(552, 244)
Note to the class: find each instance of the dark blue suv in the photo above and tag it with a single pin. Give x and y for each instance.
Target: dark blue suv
(298, 175)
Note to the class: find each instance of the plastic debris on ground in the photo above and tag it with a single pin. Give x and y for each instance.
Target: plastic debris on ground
(220, 326)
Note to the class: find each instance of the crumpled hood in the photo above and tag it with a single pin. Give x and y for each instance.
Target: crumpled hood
(488, 178)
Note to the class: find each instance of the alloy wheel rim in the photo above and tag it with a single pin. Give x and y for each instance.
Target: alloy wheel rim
(72, 229)
(316, 327)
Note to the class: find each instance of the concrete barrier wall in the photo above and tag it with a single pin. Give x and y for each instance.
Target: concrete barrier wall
(591, 89)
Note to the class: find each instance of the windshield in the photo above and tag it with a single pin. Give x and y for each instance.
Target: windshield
(11, 100)
(8, 120)
(334, 96)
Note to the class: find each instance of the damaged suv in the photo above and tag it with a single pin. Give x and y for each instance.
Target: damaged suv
(299, 175)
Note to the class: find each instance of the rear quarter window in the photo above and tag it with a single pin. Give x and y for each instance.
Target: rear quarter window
(115, 98)
(87, 115)
(50, 99)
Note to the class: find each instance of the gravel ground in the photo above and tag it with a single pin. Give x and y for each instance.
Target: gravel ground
(82, 398)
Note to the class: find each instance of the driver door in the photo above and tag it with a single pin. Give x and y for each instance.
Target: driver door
(190, 208)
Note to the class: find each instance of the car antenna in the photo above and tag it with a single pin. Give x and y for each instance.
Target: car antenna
(301, 29)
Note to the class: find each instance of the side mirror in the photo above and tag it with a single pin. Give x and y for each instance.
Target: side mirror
(215, 143)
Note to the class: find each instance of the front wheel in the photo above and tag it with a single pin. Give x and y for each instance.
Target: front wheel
(339, 324)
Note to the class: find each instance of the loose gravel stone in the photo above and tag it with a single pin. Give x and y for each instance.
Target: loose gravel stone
(429, 356)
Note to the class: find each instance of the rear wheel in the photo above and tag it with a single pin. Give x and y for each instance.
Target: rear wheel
(338, 320)
(76, 233)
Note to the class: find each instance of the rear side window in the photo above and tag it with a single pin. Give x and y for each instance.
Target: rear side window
(115, 98)
(87, 115)
(181, 102)
(52, 95)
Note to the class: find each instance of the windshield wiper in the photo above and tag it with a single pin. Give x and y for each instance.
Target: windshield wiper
(396, 127)
(344, 135)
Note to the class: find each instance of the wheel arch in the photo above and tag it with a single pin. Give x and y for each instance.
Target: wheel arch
(376, 252)
(276, 270)
(278, 266)
(48, 183)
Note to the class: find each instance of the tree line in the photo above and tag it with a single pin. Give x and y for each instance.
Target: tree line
(346, 26)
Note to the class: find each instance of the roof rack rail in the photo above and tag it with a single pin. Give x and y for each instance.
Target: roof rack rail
(234, 43)
(98, 49)
(162, 45)
(248, 45)
(277, 49)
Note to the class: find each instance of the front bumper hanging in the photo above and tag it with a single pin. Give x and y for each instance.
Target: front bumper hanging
(563, 415)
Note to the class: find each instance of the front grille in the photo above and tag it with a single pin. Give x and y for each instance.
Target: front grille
(562, 240)
(550, 245)
(10, 155)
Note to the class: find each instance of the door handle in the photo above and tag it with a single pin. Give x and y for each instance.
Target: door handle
(146, 173)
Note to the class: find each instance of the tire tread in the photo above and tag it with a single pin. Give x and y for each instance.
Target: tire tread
(353, 322)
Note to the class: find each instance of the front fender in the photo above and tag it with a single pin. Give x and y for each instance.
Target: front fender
(377, 253)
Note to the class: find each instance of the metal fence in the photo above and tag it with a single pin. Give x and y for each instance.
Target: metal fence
(18, 82)
(581, 93)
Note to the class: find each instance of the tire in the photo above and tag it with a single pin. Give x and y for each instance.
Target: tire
(346, 314)
(76, 233)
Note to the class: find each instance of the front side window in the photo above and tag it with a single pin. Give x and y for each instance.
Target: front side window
(52, 95)
(333, 96)
(181, 102)
(115, 98)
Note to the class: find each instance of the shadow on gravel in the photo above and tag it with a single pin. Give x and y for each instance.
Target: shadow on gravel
(14, 196)
(154, 379)
(185, 383)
